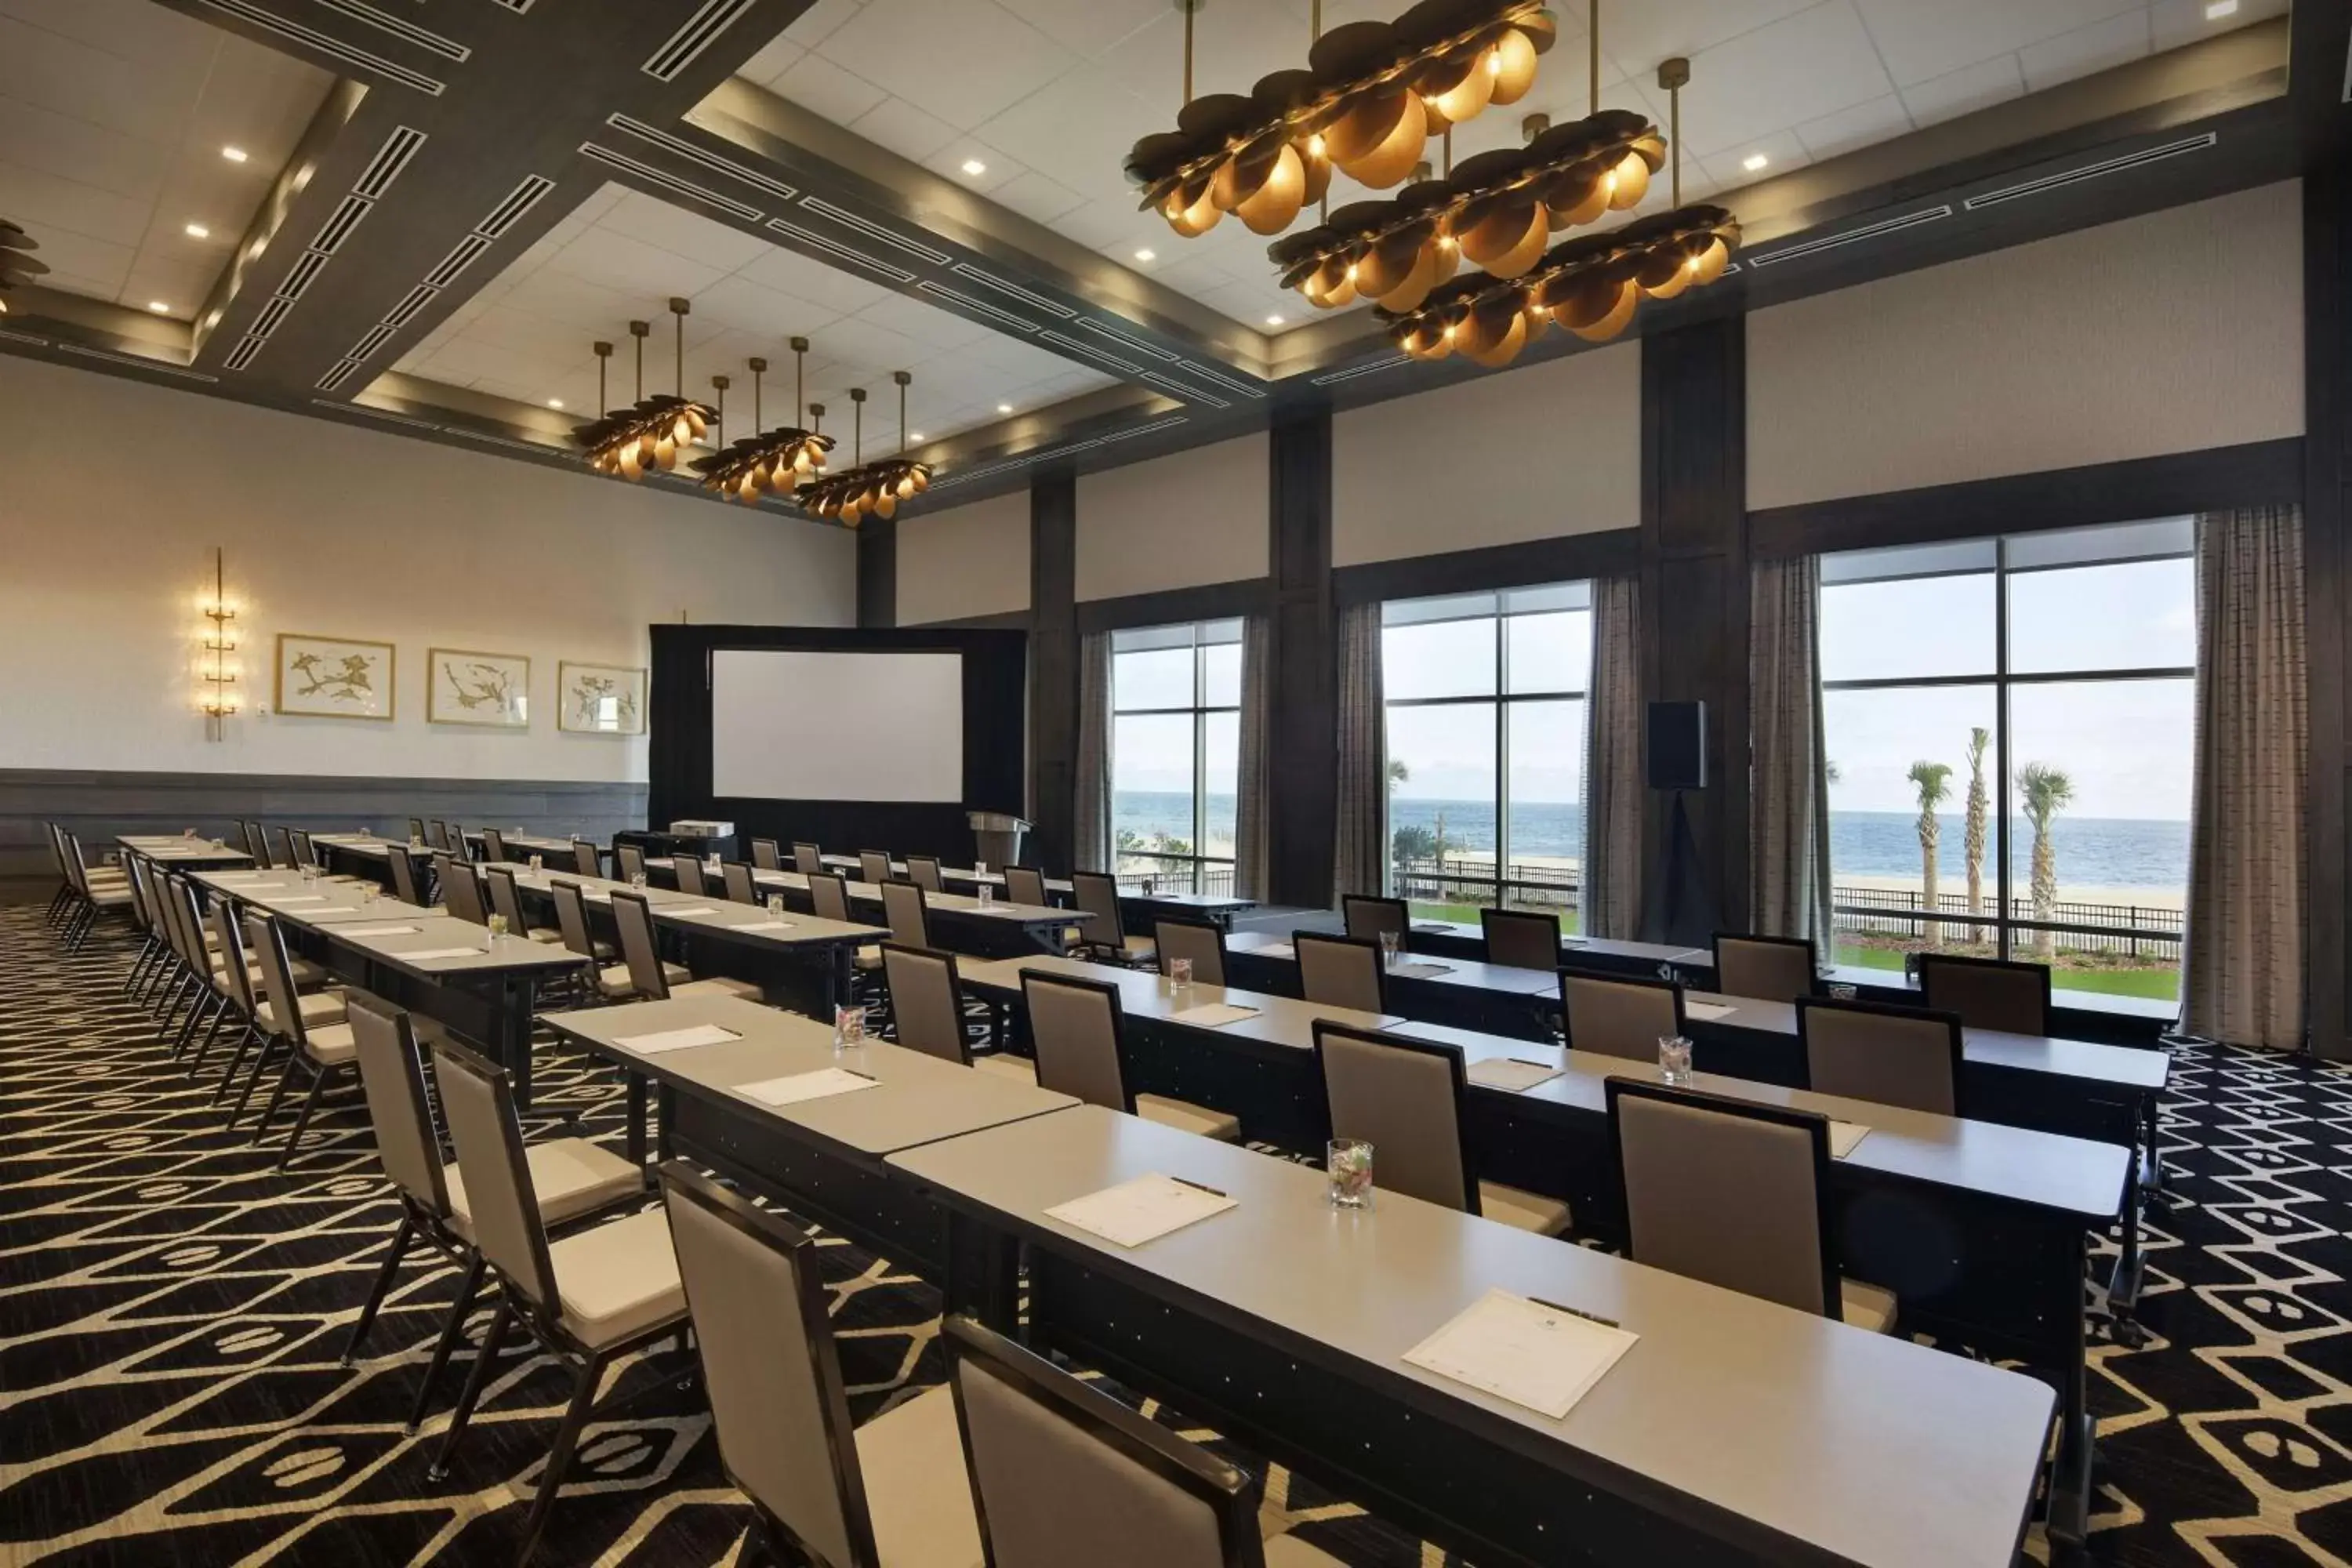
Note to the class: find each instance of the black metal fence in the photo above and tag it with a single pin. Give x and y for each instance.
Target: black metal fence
(1144, 875)
(2141, 933)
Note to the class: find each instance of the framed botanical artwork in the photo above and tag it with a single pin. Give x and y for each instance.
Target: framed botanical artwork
(463, 686)
(599, 699)
(335, 678)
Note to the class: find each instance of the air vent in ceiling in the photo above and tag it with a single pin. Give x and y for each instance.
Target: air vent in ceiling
(2099, 170)
(990, 280)
(962, 301)
(1371, 367)
(1138, 345)
(267, 321)
(339, 224)
(682, 148)
(461, 255)
(517, 6)
(385, 414)
(407, 32)
(1189, 393)
(242, 355)
(1130, 433)
(834, 247)
(389, 160)
(306, 267)
(135, 363)
(326, 44)
(418, 298)
(1220, 378)
(371, 340)
(714, 17)
(337, 374)
(521, 200)
(671, 182)
(1869, 231)
(1102, 356)
(23, 338)
(872, 230)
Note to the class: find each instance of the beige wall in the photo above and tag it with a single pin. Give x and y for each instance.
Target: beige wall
(970, 560)
(1181, 521)
(116, 492)
(2170, 332)
(1533, 453)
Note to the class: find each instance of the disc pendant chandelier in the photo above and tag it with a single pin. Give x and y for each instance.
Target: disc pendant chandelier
(777, 460)
(876, 488)
(648, 433)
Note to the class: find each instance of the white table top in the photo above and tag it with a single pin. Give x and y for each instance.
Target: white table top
(719, 915)
(1572, 946)
(283, 892)
(1280, 1021)
(958, 904)
(167, 848)
(2129, 1066)
(435, 932)
(1474, 972)
(1868, 1449)
(947, 873)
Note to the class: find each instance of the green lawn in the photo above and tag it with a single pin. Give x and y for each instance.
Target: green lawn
(1467, 914)
(2161, 985)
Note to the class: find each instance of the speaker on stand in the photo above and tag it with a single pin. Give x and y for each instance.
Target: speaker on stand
(1674, 755)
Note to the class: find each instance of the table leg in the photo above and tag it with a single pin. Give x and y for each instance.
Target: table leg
(837, 978)
(637, 1082)
(2070, 1476)
(983, 1274)
(513, 1053)
(666, 1100)
(2131, 1266)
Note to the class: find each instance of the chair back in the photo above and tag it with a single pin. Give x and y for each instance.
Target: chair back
(1340, 971)
(500, 1200)
(906, 913)
(285, 849)
(1097, 895)
(691, 881)
(416, 830)
(923, 870)
(808, 860)
(584, 858)
(762, 1330)
(1199, 940)
(163, 901)
(494, 845)
(1619, 1015)
(404, 874)
(504, 899)
(1890, 1056)
(1074, 1026)
(1026, 885)
(461, 891)
(392, 1075)
(737, 877)
(70, 863)
(1403, 1097)
(829, 896)
(233, 978)
(629, 861)
(458, 844)
(1062, 1473)
(1769, 968)
(1725, 1191)
(436, 835)
(1521, 938)
(269, 940)
(764, 856)
(2002, 993)
(873, 865)
(926, 1002)
(257, 844)
(305, 852)
(142, 906)
(571, 917)
(1368, 916)
(633, 920)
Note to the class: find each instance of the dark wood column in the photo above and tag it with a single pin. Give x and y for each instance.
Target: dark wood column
(1303, 697)
(1053, 670)
(1695, 598)
(877, 573)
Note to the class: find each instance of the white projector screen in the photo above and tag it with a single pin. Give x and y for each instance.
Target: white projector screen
(789, 725)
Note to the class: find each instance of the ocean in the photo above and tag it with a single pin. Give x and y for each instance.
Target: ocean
(2092, 852)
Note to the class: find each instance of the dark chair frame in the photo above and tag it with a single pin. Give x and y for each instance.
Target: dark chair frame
(1568, 1033)
(1807, 1006)
(1380, 970)
(1031, 979)
(1489, 919)
(1811, 949)
(1930, 962)
(1459, 1072)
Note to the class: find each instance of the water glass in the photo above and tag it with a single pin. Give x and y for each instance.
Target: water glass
(217, 844)
(848, 1028)
(776, 906)
(368, 891)
(187, 833)
(980, 869)
(495, 925)
(1180, 973)
(415, 841)
(637, 880)
(987, 895)
(538, 863)
(1674, 1058)
(1843, 992)
(1348, 1164)
(1390, 943)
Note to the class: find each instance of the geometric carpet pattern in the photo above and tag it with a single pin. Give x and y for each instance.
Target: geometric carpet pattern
(173, 1312)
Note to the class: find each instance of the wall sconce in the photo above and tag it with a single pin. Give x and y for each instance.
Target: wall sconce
(218, 698)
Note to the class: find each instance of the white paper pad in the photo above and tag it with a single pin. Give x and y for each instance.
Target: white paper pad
(1144, 1209)
(1211, 1015)
(685, 909)
(821, 1084)
(764, 925)
(1421, 971)
(677, 1040)
(1522, 1350)
(440, 952)
(303, 898)
(1511, 1075)
(380, 930)
(1844, 1136)
(1709, 1009)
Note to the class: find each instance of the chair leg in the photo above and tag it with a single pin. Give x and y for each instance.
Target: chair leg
(204, 1047)
(278, 1095)
(228, 1075)
(473, 1394)
(318, 1071)
(468, 1289)
(383, 1284)
(559, 1457)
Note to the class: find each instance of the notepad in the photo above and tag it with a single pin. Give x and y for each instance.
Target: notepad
(821, 1084)
(1708, 1009)
(1421, 971)
(381, 930)
(652, 1045)
(1844, 1136)
(1211, 1015)
(302, 899)
(1144, 1209)
(1510, 1074)
(1530, 1352)
(764, 925)
(439, 952)
(685, 910)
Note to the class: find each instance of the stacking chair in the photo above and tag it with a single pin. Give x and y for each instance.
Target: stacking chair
(1521, 939)
(155, 945)
(692, 878)
(1619, 1016)
(505, 901)
(808, 860)
(94, 896)
(1768, 968)
(571, 922)
(1105, 936)
(416, 830)
(923, 870)
(571, 1177)
(461, 889)
(2002, 993)
(829, 897)
(230, 973)
(1405, 1098)
(1026, 885)
(257, 844)
(764, 856)
(313, 1031)
(225, 935)
(404, 875)
(644, 975)
(205, 987)
(1075, 1027)
(1367, 918)
(305, 853)
(436, 835)
(588, 1297)
(1199, 940)
(458, 844)
(906, 909)
(927, 1006)
(736, 877)
(494, 847)
(888, 1494)
(1891, 1055)
(1341, 971)
(629, 862)
(584, 858)
(873, 865)
(1735, 1194)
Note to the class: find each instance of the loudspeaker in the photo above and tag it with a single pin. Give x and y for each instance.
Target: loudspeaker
(1677, 745)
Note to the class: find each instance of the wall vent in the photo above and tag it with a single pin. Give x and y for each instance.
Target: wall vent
(695, 35)
(990, 280)
(873, 230)
(2099, 170)
(682, 148)
(1168, 384)
(962, 300)
(385, 414)
(1370, 367)
(1221, 379)
(668, 181)
(1103, 356)
(1138, 345)
(1131, 432)
(23, 338)
(1869, 231)
(834, 247)
(407, 32)
(328, 45)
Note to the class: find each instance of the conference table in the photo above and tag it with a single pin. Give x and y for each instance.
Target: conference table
(1452, 939)
(995, 926)
(1140, 908)
(1733, 1430)
(182, 852)
(851, 865)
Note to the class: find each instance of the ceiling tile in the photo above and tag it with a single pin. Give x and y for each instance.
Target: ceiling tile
(632, 268)
(1864, 125)
(681, 233)
(99, 88)
(1035, 197)
(1037, 131)
(928, 326)
(1781, 150)
(1639, 36)
(779, 55)
(1922, 40)
(49, 207)
(2100, 46)
(905, 130)
(824, 88)
(738, 302)
(958, 157)
(1743, 90)
(806, 278)
(1964, 91)
(41, 139)
(927, 52)
(2179, 23)
(63, 250)
(1086, 27)
(821, 21)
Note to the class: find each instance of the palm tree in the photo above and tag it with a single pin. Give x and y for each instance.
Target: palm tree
(1933, 781)
(2044, 791)
(1973, 835)
(1397, 772)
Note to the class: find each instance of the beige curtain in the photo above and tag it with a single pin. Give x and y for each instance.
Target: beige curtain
(1788, 843)
(2242, 967)
(1360, 853)
(1092, 846)
(1613, 791)
(1251, 857)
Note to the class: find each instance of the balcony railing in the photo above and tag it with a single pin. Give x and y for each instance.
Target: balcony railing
(1142, 876)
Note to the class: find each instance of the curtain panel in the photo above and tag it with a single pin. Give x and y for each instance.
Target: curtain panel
(1251, 853)
(1613, 791)
(1091, 846)
(1788, 843)
(1359, 851)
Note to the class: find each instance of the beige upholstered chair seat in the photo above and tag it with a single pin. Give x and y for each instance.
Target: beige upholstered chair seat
(316, 1007)
(1866, 1306)
(332, 1046)
(867, 957)
(302, 971)
(721, 985)
(912, 1458)
(1522, 1210)
(619, 1280)
(1186, 1117)
(552, 938)
(1005, 1064)
(1141, 950)
(614, 979)
(571, 1177)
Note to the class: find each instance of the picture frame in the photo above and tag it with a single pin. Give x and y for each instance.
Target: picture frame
(325, 677)
(466, 686)
(599, 699)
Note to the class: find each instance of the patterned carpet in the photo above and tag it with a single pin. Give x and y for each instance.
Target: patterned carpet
(171, 1311)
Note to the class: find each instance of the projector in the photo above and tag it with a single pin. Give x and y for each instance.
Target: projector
(703, 829)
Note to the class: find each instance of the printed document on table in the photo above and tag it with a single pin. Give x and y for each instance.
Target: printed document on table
(1211, 1015)
(1141, 1210)
(677, 1040)
(821, 1084)
(1510, 1074)
(1708, 1009)
(1529, 1353)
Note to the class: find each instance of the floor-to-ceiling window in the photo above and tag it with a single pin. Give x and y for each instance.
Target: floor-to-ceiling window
(1176, 698)
(2010, 730)
(1486, 745)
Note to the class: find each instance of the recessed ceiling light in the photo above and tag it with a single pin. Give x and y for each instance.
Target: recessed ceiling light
(1146, 253)
(2216, 10)
(1273, 320)
(160, 308)
(973, 166)
(1755, 162)
(914, 434)
(198, 231)
(234, 154)
(555, 403)
(1004, 408)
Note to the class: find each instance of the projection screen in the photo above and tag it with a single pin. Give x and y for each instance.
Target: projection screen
(792, 725)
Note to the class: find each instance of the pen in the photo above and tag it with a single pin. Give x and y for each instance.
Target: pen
(1525, 1063)
(1198, 1186)
(871, 1078)
(1573, 1312)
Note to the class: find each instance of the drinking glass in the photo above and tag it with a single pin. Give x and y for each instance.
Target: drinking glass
(1180, 975)
(538, 863)
(495, 925)
(637, 880)
(1389, 945)
(848, 1028)
(979, 868)
(1843, 992)
(775, 906)
(368, 891)
(987, 895)
(1674, 1058)
(1348, 1162)
(187, 833)
(415, 841)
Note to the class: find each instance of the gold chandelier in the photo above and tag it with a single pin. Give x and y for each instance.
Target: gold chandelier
(648, 433)
(1371, 95)
(878, 486)
(778, 459)
(16, 268)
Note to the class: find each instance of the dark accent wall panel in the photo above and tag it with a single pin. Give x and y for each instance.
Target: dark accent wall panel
(877, 573)
(2328, 602)
(1303, 697)
(1054, 669)
(1527, 563)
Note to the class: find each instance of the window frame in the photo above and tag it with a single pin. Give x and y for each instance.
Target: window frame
(1200, 869)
